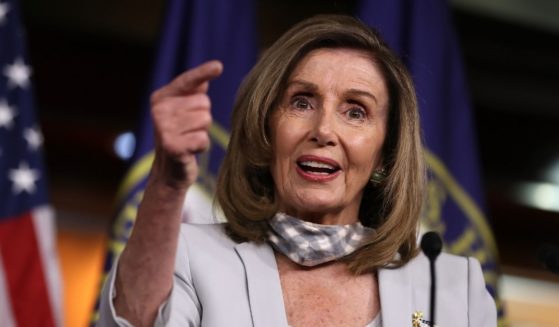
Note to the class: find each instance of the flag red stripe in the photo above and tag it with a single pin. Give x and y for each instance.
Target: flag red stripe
(24, 273)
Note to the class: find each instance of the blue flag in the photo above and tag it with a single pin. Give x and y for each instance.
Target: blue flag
(422, 33)
(29, 272)
(194, 31)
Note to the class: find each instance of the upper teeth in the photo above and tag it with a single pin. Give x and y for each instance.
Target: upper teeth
(317, 164)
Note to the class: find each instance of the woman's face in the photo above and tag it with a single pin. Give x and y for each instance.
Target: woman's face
(327, 135)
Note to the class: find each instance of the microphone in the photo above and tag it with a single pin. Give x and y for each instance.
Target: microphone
(431, 245)
(549, 256)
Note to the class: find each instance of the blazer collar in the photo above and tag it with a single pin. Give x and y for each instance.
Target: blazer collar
(263, 283)
(266, 297)
(396, 296)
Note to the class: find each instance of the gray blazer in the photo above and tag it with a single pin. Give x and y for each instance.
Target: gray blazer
(222, 283)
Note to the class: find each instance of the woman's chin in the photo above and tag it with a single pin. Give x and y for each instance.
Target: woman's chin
(317, 201)
(314, 208)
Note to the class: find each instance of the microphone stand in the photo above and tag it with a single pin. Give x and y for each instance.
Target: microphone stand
(433, 291)
(431, 245)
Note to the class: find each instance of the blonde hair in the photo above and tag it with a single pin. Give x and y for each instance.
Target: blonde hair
(245, 188)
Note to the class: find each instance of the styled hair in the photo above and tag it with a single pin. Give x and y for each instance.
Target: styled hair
(245, 188)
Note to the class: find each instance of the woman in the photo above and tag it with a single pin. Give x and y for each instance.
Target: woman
(322, 188)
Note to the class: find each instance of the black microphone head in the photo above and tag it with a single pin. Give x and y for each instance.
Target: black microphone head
(431, 245)
(549, 256)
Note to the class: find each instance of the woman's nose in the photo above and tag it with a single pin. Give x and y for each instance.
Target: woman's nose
(324, 127)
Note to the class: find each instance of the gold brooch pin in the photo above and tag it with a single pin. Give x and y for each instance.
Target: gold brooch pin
(416, 319)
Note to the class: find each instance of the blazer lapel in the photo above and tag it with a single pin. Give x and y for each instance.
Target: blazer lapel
(264, 287)
(395, 297)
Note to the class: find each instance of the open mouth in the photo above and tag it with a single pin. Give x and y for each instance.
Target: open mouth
(318, 168)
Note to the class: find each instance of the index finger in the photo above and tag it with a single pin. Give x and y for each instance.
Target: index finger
(189, 81)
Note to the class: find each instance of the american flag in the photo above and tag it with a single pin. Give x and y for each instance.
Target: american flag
(30, 290)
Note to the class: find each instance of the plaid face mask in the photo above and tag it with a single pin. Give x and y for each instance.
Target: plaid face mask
(310, 244)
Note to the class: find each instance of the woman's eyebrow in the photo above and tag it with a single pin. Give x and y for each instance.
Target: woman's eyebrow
(361, 93)
(308, 86)
(311, 87)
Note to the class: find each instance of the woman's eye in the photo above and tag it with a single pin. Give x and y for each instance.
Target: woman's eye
(356, 113)
(301, 103)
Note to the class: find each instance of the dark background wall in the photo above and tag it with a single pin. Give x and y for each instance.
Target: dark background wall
(92, 61)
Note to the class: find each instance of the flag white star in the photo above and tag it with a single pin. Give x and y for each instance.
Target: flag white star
(7, 114)
(33, 137)
(4, 8)
(18, 74)
(23, 178)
